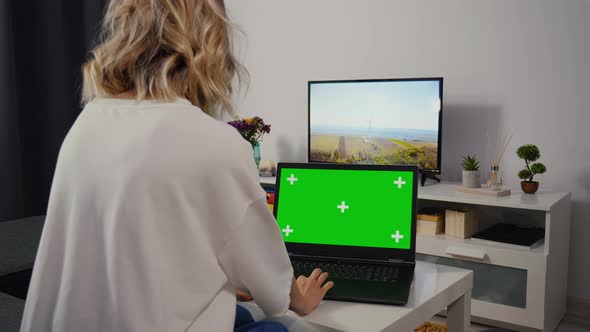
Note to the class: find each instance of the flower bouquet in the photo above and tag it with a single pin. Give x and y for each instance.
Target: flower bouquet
(252, 129)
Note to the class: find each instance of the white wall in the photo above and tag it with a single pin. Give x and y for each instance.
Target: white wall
(509, 66)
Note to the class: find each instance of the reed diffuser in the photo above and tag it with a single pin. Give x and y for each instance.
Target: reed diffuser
(495, 181)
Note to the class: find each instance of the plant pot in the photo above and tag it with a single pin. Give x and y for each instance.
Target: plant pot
(529, 187)
(471, 179)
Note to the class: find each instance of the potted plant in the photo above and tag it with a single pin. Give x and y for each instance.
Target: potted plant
(530, 153)
(471, 177)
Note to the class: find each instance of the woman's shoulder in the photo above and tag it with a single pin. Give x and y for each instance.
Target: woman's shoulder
(175, 123)
(210, 134)
(213, 132)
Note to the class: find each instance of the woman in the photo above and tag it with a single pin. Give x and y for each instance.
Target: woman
(155, 213)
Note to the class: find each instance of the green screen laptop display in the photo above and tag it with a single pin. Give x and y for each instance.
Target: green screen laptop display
(365, 208)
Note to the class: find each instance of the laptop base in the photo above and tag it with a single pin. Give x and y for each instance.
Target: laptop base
(395, 291)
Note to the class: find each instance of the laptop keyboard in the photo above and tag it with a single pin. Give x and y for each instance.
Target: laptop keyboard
(349, 271)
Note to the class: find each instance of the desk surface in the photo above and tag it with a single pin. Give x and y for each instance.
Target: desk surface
(447, 192)
(434, 287)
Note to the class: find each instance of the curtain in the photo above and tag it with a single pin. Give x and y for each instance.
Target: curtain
(43, 44)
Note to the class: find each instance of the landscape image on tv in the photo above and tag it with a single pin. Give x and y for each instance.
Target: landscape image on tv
(378, 122)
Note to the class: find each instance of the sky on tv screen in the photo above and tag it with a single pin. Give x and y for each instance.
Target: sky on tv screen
(408, 107)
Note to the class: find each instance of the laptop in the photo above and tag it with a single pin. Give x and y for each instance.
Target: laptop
(356, 222)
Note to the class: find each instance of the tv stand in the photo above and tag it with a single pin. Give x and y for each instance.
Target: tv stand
(428, 176)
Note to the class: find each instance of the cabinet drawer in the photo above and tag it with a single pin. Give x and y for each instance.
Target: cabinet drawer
(491, 283)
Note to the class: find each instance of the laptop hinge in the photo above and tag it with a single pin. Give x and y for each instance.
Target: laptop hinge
(357, 260)
(396, 261)
(326, 258)
(401, 262)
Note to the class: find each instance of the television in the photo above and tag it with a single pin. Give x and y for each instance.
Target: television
(379, 121)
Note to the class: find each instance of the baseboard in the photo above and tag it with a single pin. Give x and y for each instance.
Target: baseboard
(578, 311)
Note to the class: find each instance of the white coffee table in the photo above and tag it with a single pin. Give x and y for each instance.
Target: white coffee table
(435, 288)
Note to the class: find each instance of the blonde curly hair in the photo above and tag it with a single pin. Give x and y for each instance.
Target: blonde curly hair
(165, 49)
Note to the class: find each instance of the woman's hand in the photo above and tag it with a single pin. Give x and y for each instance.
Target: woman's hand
(243, 296)
(308, 292)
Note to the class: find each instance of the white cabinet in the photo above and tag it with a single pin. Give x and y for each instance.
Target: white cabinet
(523, 289)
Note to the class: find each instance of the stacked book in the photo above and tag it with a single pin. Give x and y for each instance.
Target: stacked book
(430, 221)
(525, 237)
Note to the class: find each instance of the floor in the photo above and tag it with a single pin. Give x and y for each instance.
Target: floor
(563, 327)
(570, 327)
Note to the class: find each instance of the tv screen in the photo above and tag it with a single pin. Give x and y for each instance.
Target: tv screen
(387, 122)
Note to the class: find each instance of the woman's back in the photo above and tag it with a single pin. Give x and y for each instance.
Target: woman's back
(156, 213)
(148, 211)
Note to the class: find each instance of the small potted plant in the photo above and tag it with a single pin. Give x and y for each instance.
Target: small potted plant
(471, 177)
(530, 153)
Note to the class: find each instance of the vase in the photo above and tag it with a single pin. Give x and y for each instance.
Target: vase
(529, 187)
(495, 181)
(471, 179)
(256, 148)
